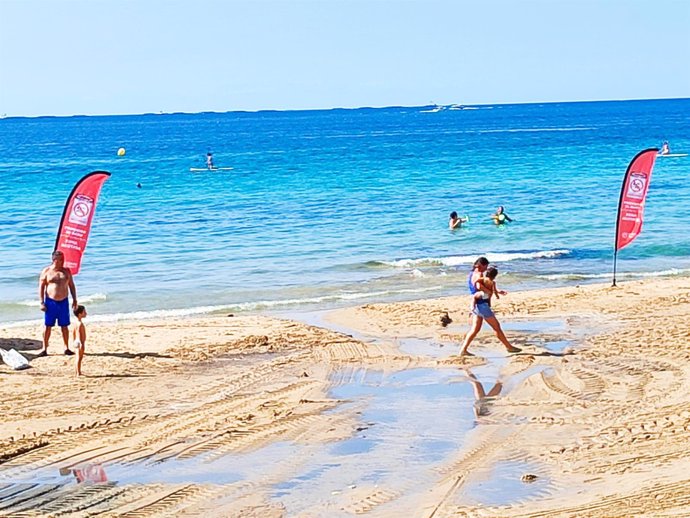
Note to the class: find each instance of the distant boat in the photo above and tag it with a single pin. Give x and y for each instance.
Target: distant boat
(435, 108)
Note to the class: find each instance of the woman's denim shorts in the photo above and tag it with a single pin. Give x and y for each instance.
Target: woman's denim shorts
(483, 309)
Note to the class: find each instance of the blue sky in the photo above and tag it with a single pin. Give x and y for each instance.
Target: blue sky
(137, 56)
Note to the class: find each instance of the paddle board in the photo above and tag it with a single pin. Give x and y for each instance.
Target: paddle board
(675, 154)
(14, 359)
(200, 169)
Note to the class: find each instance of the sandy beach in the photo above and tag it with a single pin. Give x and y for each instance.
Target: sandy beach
(259, 416)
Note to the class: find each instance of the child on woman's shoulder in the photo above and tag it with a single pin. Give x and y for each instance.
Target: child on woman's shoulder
(487, 287)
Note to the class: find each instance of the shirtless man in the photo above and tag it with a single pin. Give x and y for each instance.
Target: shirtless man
(54, 287)
(455, 221)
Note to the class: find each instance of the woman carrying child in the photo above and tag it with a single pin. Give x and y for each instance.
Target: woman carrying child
(483, 287)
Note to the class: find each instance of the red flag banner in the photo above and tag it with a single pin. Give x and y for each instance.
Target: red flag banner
(76, 218)
(633, 194)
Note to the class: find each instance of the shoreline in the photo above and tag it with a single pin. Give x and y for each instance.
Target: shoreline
(284, 308)
(608, 419)
(331, 301)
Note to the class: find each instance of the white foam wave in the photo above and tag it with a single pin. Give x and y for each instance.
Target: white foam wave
(498, 257)
(269, 304)
(620, 275)
(85, 299)
(243, 306)
(534, 130)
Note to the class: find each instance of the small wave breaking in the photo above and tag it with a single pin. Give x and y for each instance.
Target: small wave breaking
(457, 260)
(242, 306)
(619, 275)
(535, 130)
(86, 299)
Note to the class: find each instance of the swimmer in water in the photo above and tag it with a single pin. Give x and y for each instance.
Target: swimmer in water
(455, 221)
(500, 217)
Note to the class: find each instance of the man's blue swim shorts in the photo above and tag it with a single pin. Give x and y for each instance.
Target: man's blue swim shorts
(56, 310)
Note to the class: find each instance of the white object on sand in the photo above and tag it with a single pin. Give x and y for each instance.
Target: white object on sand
(14, 360)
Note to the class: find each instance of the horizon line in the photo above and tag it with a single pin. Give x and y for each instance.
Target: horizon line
(271, 110)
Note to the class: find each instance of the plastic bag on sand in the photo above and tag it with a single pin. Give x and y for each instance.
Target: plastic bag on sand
(15, 360)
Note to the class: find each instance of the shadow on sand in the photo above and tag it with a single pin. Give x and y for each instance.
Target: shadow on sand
(544, 353)
(119, 375)
(20, 344)
(130, 356)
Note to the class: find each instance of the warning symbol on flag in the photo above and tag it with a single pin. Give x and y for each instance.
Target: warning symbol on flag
(81, 209)
(636, 186)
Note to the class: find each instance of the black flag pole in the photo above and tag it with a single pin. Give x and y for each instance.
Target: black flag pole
(615, 257)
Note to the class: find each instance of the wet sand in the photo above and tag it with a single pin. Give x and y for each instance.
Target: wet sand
(365, 413)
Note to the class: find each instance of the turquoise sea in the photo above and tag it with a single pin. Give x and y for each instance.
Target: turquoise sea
(336, 207)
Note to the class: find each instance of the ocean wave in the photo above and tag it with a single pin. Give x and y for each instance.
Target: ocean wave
(457, 260)
(243, 306)
(86, 299)
(21, 278)
(533, 130)
(619, 275)
(335, 297)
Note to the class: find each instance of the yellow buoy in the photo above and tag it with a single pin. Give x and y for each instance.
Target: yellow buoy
(121, 152)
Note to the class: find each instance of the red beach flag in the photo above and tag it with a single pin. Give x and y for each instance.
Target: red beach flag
(631, 204)
(76, 218)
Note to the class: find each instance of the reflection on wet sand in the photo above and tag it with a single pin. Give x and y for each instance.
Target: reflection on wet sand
(399, 426)
(88, 473)
(482, 398)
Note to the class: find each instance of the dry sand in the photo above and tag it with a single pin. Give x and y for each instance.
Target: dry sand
(605, 430)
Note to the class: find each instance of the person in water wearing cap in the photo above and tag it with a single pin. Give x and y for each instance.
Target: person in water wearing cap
(455, 221)
(500, 217)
